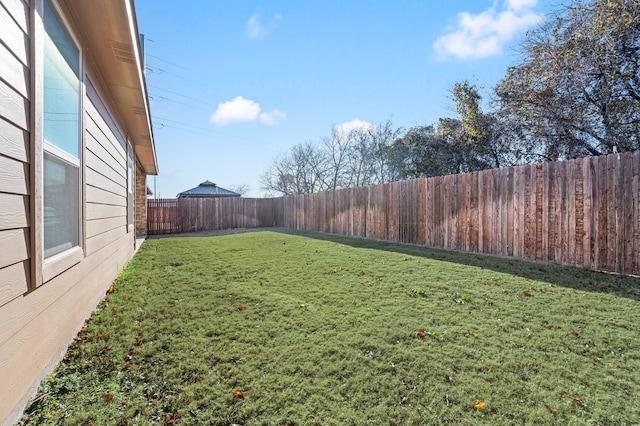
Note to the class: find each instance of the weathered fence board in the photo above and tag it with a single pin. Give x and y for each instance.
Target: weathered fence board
(582, 212)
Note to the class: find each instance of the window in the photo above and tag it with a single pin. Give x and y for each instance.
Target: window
(61, 128)
(130, 184)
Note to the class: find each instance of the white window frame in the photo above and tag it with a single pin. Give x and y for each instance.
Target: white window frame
(58, 263)
(131, 187)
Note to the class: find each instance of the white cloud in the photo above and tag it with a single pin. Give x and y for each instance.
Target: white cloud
(521, 4)
(356, 124)
(485, 34)
(237, 110)
(256, 29)
(272, 118)
(240, 110)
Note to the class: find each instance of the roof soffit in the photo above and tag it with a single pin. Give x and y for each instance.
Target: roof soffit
(110, 36)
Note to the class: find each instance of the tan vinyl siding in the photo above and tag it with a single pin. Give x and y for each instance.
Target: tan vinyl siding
(14, 24)
(13, 71)
(14, 142)
(29, 343)
(14, 152)
(19, 12)
(100, 226)
(39, 319)
(13, 211)
(105, 171)
(96, 195)
(14, 107)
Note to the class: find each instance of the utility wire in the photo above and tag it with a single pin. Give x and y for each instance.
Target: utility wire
(161, 122)
(177, 65)
(203, 131)
(159, 98)
(159, 71)
(179, 94)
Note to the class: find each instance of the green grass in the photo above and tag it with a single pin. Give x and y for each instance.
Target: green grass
(339, 331)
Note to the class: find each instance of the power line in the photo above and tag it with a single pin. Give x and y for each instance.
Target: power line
(159, 71)
(207, 132)
(176, 65)
(159, 98)
(179, 94)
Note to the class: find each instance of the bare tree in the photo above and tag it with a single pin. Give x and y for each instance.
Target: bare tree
(241, 189)
(302, 171)
(358, 157)
(577, 91)
(336, 151)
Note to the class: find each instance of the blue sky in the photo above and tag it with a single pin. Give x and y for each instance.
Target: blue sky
(233, 84)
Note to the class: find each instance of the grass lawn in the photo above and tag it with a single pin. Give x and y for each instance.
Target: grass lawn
(271, 328)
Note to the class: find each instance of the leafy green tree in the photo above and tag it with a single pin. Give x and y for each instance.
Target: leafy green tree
(420, 153)
(470, 142)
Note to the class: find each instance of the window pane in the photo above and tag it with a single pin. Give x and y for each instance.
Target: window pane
(61, 206)
(61, 84)
(130, 185)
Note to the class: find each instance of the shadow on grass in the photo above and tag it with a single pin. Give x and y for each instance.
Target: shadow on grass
(562, 276)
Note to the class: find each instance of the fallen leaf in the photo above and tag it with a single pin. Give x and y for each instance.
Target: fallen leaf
(238, 394)
(526, 293)
(575, 400)
(240, 307)
(575, 333)
(173, 418)
(108, 397)
(478, 404)
(170, 305)
(549, 409)
(83, 329)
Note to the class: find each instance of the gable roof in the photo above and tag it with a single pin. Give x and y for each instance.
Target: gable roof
(207, 189)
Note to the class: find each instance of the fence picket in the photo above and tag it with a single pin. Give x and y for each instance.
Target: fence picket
(582, 212)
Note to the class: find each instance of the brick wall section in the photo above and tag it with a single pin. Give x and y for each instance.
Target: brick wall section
(141, 202)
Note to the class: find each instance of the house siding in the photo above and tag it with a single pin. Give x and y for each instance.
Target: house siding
(39, 319)
(14, 152)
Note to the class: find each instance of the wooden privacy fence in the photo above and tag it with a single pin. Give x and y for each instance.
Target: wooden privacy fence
(582, 212)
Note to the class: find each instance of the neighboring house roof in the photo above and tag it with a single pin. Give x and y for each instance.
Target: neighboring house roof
(207, 189)
(112, 34)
